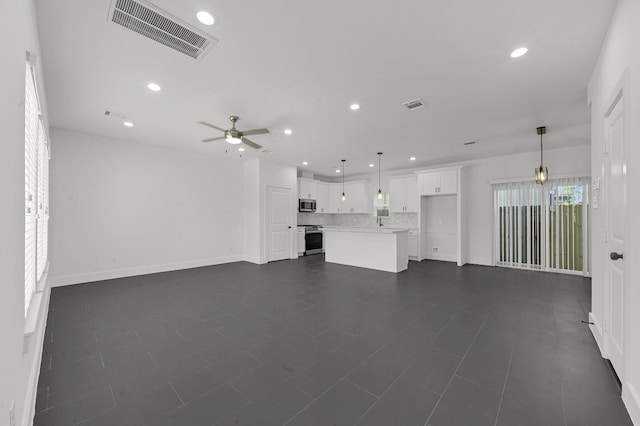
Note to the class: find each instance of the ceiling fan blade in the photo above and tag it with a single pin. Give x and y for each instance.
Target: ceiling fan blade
(250, 143)
(204, 123)
(254, 132)
(212, 139)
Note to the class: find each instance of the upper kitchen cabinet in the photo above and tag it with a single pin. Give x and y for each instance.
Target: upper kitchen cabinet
(322, 200)
(356, 200)
(307, 189)
(444, 182)
(404, 194)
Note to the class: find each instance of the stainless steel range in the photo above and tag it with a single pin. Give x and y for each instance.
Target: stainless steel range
(313, 239)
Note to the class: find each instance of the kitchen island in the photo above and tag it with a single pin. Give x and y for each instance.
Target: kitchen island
(384, 249)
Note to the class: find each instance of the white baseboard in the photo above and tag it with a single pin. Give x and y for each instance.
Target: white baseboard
(596, 330)
(255, 259)
(631, 400)
(140, 270)
(479, 261)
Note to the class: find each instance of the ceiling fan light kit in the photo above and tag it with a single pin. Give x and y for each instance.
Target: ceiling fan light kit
(542, 173)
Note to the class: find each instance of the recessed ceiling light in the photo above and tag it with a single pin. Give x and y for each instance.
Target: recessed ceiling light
(519, 52)
(354, 107)
(128, 124)
(337, 170)
(205, 17)
(412, 158)
(371, 165)
(287, 131)
(241, 149)
(304, 163)
(154, 87)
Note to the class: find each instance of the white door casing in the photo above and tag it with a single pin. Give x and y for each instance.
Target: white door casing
(615, 146)
(279, 223)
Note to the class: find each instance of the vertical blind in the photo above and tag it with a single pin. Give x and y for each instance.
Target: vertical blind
(542, 227)
(36, 189)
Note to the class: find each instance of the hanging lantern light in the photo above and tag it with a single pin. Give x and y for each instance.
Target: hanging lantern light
(344, 197)
(542, 173)
(379, 186)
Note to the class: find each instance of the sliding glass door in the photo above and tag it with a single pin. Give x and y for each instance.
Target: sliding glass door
(542, 227)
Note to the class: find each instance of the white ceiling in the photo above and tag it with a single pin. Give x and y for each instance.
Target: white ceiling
(300, 64)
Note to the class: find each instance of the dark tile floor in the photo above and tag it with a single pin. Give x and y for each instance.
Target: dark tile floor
(304, 342)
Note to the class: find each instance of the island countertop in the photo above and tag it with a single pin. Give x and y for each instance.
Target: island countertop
(377, 230)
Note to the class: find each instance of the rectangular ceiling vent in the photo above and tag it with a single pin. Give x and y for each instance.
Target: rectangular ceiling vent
(471, 142)
(159, 25)
(414, 104)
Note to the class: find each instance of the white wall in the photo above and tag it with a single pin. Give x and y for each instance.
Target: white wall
(619, 53)
(479, 195)
(120, 208)
(252, 231)
(18, 372)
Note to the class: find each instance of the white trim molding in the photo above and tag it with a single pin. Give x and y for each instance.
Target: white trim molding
(140, 270)
(631, 400)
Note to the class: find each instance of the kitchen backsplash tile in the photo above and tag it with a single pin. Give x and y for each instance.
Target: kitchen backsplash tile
(397, 220)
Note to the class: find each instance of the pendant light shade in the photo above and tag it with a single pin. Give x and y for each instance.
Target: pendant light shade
(344, 196)
(542, 173)
(379, 187)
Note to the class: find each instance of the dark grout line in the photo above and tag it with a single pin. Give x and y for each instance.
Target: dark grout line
(506, 377)
(458, 367)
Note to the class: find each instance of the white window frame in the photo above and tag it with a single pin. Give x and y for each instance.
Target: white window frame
(36, 186)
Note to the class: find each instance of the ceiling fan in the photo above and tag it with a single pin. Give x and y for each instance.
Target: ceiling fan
(235, 136)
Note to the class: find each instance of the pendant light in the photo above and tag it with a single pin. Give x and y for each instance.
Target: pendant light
(542, 173)
(379, 187)
(344, 197)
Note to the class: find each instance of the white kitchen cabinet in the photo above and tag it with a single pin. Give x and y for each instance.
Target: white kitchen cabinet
(300, 239)
(336, 205)
(356, 198)
(322, 200)
(413, 244)
(438, 182)
(442, 215)
(404, 194)
(307, 189)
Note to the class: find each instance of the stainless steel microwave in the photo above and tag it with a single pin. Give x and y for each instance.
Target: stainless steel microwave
(306, 206)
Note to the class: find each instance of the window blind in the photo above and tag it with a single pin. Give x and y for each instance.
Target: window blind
(31, 124)
(36, 192)
(542, 227)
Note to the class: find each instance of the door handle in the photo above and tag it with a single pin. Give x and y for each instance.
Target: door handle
(615, 256)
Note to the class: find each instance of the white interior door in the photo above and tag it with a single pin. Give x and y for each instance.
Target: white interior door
(279, 222)
(616, 206)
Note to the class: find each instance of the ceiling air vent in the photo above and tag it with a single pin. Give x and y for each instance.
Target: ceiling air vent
(414, 104)
(471, 142)
(157, 24)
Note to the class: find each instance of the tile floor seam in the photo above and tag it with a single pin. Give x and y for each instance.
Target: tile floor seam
(254, 357)
(435, 407)
(182, 403)
(363, 389)
(564, 408)
(335, 384)
(115, 404)
(299, 388)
